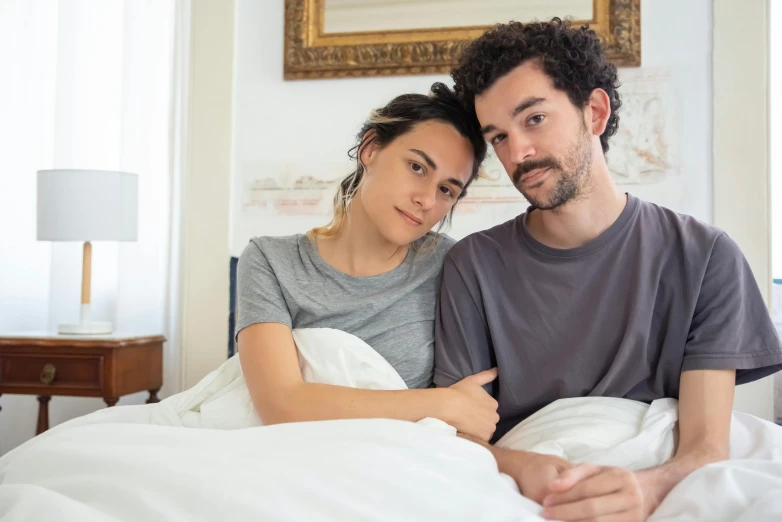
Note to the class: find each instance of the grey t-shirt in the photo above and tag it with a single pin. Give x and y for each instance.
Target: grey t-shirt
(656, 294)
(284, 280)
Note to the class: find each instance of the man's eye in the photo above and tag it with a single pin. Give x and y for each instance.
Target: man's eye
(498, 138)
(535, 120)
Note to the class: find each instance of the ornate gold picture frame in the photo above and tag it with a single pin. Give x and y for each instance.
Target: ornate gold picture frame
(312, 53)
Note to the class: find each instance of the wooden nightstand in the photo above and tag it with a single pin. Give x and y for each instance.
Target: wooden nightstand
(94, 366)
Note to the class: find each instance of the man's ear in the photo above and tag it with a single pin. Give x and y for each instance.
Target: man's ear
(369, 147)
(600, 111)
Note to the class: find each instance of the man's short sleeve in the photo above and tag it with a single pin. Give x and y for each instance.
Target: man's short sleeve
(462, 344)
(731, 328)
(259, 297)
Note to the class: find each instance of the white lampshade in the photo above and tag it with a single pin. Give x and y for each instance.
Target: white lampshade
(87, 205)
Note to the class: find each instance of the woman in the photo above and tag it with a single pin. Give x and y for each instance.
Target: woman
(373, 272)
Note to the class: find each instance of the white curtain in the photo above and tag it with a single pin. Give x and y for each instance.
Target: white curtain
(87, 84)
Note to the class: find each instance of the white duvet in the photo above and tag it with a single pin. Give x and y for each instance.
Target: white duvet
(145, 463)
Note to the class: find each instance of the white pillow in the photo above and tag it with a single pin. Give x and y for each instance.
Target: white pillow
(601, 430)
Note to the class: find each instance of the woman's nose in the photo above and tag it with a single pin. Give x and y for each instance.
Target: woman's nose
(426, 197)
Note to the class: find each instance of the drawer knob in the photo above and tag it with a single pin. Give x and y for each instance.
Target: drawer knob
(47, 374)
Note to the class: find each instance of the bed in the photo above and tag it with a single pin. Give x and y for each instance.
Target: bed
(204, 455)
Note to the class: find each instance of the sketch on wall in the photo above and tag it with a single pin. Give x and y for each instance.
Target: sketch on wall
(290, 189)
(644, 151)
(308, 189)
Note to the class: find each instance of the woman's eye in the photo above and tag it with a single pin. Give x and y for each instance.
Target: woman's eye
(498, 138)
(537, 119)
(447, 191)
(417, 168)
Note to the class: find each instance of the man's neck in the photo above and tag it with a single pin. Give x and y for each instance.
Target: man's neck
(359, 249)
(582, 219)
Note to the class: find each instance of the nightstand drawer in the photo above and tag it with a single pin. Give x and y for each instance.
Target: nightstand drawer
(58, 372)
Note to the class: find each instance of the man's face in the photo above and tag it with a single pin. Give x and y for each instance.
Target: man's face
(540, 137)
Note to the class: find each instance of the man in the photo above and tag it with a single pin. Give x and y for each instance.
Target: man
(591, 292)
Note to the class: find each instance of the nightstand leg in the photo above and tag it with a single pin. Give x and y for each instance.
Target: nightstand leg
(153, 396)
(43, 414)
(110, 401)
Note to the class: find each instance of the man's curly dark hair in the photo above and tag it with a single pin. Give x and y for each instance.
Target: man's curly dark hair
(572, 57)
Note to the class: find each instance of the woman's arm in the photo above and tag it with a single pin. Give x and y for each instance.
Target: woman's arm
(271, 369)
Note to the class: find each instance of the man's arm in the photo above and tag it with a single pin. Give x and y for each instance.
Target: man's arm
(731, 339)
(462, 345)
(705, 409)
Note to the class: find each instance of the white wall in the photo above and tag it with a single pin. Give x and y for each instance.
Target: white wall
(85, 85)
(776, 177)
(775, 63)
(292, 122)
(296, 126)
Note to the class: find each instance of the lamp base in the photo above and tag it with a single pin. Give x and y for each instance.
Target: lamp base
(85, 329)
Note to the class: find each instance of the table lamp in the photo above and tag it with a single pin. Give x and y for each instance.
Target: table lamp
(86, 206)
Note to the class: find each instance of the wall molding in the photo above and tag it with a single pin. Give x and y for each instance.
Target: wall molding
(742, 183)
(206, 190)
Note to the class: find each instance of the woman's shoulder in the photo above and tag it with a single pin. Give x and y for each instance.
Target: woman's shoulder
(434, 246)
(444, 242)
(274, 247)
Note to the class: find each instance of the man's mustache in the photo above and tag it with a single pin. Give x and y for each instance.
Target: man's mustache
(529, 166)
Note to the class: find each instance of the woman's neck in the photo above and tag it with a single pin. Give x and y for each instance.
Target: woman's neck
(359, 249)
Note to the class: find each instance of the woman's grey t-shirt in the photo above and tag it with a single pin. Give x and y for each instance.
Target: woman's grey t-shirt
(284, 280)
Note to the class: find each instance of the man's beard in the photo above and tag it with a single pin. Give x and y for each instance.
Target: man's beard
(569, 184)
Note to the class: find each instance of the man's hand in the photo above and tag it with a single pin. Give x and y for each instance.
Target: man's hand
(595, 493)
(589, 492)
(533, 472)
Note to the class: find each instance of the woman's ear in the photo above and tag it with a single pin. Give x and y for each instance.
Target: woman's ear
(369, 147)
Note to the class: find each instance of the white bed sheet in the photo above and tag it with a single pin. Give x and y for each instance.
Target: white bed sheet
(147, 463)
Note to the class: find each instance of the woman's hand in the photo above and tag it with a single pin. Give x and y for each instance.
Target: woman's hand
(533, 472)
(470, 409)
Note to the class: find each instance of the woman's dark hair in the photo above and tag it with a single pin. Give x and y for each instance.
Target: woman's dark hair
(572, 57)
(398, 117)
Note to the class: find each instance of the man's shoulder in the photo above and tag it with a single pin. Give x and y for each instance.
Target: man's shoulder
(676, 226)
(484, 244)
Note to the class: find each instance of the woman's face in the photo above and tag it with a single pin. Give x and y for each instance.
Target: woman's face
(411, 183)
